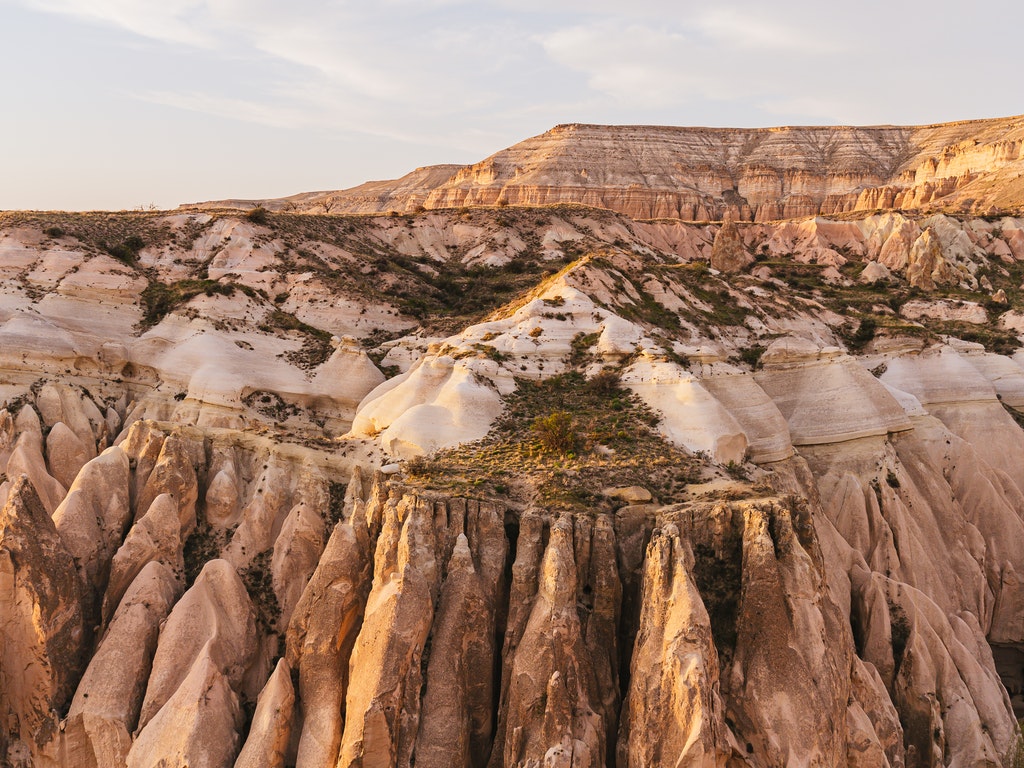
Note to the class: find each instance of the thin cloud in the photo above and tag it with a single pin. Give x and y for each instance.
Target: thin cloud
(749, 29)
(637, 65)
(171, 21)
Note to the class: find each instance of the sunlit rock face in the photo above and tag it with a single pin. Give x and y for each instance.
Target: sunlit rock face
(531, 484)
(702, 174)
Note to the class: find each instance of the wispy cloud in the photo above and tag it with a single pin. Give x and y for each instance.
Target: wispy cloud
(351, 64)
(751, 29)
(172, 21)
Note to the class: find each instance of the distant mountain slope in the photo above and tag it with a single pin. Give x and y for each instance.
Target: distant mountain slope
(763, 174)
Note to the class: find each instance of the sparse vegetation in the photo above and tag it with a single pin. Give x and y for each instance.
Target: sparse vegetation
(900, 627)
(580, 347)
(270, 405)
(993, 339)
(605, 383)
(203, 544)
(160, 299)
(259, 584)
(599, 437)
(335, 511)
(127, 251)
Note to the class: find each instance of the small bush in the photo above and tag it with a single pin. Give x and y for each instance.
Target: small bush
(892, 480)
(580, 347)
(865, 332)
(736, 471)
(53, 232)
(134, 243)
(752, 356)
(605, 383)
(127, 252)
(421, 466)
(557, 433)
(257, 215)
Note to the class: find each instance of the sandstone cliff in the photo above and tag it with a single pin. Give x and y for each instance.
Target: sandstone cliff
(649, 172)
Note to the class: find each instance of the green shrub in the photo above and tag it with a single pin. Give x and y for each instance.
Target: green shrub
(752, 356)
(160, 299)
(865, 332)
(557, 433)
(127, 251)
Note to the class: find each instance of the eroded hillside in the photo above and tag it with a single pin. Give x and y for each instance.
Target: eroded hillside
(706, 174)
(514, 486)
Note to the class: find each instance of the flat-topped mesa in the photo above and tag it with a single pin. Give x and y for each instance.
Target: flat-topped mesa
(761, 174)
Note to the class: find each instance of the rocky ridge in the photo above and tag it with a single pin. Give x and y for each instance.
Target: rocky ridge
(285, 489)
(702, 174)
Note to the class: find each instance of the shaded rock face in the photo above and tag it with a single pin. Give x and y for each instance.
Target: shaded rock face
(42, 640)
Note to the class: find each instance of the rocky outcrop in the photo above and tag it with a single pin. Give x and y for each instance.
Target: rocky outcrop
(92, 521)
(781, 689)
(191, 708)
(197, 726)
(42, 633)
(267, 744)
(156, 537)
(382, 704)
(173, 473)
(727, 252)
(105, 709)
(552, 672)
(321, 634)
(725, 628)
(455, 725)
(674, 668)
(925, 264)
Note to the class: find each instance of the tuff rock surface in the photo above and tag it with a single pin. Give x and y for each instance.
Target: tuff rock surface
(537, 485)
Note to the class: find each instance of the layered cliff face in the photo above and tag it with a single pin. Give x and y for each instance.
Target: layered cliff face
(521, 487)
(702, 174)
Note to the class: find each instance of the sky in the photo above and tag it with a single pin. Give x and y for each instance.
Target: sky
(121, 104)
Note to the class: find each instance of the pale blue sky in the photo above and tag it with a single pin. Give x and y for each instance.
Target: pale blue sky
(122, 103)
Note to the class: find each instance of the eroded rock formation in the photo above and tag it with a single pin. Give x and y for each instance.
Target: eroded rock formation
(781, 526)
(703, 173)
